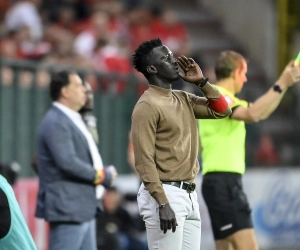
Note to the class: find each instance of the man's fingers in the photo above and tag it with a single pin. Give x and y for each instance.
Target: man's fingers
(165, 228)
(192, 60)
(186, 59)
(174, 224)
(296, 74)
(291, 63)
(181, 65)
(168, 225)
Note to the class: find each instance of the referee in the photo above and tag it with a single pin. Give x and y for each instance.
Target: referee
(223, 151)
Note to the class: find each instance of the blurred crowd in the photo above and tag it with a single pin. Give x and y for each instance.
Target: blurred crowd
(91, 34)
(96, 35)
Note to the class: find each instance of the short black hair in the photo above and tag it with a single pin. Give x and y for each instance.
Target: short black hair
(141, 54)
(59, 80)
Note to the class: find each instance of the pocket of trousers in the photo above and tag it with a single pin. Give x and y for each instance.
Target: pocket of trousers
(148, 208)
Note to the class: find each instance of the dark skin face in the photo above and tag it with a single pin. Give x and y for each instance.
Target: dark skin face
(163, 68)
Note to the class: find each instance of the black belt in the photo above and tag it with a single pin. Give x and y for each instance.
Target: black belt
(189, 187)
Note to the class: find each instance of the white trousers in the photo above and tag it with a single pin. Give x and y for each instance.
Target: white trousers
(188, 232)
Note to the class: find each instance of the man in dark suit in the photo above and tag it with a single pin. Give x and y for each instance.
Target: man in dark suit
(70, 167)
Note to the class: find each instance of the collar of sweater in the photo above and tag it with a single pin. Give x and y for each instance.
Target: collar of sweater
(161, 91)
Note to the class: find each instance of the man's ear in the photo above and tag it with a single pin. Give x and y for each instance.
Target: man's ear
(64, 92)
(151, 70)
(235, 73)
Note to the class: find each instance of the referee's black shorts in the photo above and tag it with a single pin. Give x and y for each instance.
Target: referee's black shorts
(227, 203)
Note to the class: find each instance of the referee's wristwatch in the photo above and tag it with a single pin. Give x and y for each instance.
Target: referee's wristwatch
(277, 88)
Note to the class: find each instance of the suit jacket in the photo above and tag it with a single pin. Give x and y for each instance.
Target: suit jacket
(66, 173)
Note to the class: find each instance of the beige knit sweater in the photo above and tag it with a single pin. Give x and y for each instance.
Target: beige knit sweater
(165, 135)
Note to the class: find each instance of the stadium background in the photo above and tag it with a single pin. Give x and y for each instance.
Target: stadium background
(265, 31)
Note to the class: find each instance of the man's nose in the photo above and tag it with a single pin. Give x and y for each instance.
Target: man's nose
(174, 60)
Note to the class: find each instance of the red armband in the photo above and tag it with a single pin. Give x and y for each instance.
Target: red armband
(218, 105)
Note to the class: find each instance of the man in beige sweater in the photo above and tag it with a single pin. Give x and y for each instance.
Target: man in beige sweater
(164, 134)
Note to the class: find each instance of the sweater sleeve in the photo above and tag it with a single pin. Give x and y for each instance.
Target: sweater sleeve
(207, 107)
(144, 123)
